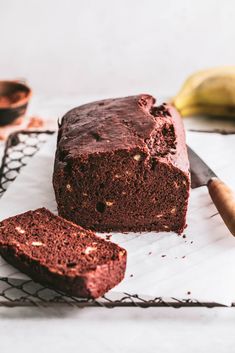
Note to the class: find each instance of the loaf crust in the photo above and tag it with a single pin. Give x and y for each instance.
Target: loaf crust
(122, 165)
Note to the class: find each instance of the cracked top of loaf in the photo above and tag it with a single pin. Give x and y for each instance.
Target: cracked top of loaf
(124, 124)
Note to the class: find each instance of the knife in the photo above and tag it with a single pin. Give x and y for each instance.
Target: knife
(222, 196)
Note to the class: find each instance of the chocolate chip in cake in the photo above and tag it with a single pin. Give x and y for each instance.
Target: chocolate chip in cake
(100, 207)
(109, 203)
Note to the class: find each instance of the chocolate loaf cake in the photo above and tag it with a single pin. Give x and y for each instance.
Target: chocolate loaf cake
(58, 253)
(122, 165)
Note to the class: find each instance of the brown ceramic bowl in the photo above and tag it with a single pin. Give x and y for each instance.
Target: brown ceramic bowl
(14, 98)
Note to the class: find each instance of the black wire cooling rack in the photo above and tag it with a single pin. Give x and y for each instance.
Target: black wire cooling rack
(19, 148)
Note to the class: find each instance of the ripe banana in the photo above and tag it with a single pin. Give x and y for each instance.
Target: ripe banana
(208, 92)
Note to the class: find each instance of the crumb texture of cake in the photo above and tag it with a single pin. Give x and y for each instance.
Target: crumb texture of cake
(60, 254)
(122, 165)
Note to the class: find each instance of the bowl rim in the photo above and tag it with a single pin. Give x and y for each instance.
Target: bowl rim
(22, 101)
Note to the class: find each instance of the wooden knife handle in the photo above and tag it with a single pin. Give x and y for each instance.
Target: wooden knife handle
(224, 200)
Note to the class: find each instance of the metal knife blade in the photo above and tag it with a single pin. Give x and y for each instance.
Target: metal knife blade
(200, 172)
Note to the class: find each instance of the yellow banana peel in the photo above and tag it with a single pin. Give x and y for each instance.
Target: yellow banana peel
(208, 92)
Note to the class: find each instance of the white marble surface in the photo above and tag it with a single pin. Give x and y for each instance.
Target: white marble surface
(117, 330)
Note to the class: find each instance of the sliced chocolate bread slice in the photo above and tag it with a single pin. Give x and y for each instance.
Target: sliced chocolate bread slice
(60, 254)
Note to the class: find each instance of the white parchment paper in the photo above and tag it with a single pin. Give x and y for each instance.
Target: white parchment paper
(198, 265)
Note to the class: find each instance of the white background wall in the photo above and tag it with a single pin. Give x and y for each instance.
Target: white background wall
(111, 47)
